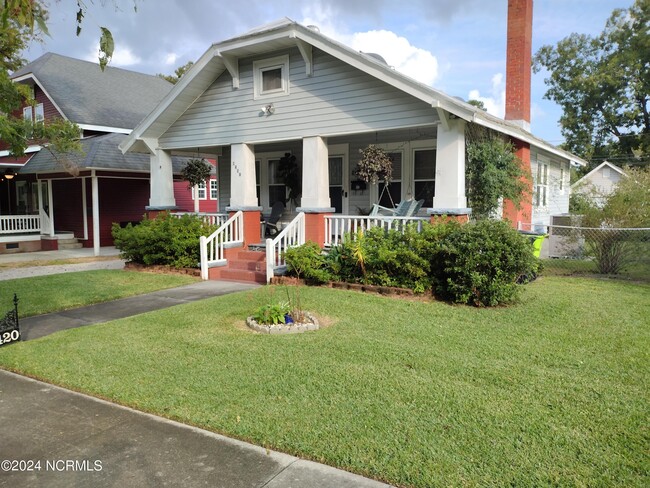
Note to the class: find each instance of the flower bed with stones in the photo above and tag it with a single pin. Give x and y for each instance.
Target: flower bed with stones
(291, 328)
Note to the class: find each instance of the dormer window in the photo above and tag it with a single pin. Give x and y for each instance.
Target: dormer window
(271, 77)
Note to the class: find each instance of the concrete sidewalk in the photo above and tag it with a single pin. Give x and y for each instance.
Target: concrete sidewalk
(42, 325)
(75, 441)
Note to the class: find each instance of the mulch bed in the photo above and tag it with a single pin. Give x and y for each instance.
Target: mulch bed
(382, 290)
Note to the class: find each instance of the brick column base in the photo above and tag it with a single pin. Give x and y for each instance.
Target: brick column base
(315, 228)
(438, 216)
(252, 227)
(315, 223)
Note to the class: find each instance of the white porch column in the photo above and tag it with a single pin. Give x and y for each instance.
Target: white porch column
(50, 204)
(95, 199)
(161, 180)
(242, 177)
(450, 167)
(315, 175)
(84, 207)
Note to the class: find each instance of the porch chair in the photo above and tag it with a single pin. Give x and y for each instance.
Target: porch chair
(270, 223)
(405, 208)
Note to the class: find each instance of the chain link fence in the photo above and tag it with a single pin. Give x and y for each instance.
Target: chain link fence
(573, 250)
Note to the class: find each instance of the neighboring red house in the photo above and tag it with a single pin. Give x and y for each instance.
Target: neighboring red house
(49, 201)
(208, 194)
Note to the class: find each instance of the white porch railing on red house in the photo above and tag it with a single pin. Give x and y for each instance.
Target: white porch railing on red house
(19, 224)
(291, 236)
(229, 234)
(210, 218)
(336, 226)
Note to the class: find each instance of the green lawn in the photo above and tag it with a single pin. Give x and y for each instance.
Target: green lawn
(43, 294)
(550, 392)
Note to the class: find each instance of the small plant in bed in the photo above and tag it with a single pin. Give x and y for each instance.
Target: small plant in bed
(286, 316)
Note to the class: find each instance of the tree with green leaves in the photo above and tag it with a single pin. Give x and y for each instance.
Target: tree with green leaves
(602, 84)
(178, 73)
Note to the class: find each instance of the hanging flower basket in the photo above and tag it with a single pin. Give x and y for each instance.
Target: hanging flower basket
(375, 165)
(196, 171)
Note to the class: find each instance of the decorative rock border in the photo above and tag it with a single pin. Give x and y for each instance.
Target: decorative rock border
(285, 328)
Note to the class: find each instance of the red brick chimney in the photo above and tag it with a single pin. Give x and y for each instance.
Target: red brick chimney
(518, 78)
(518, 61)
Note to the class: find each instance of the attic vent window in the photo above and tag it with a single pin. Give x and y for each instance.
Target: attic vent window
(271, 77)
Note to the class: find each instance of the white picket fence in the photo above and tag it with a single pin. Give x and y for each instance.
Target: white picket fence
(336, 226)
(209, 218)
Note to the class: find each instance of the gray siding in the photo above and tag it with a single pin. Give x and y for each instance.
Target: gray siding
(558, 200)
(338, 99)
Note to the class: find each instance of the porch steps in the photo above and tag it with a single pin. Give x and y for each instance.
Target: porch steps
(69, 243)
(243, 265)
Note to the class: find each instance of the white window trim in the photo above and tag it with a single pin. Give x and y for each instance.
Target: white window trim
(263, 158)
(262, 65)
(419, 146)
(541, 187)
(28, 114)
(42, 113)
(216, 188)
(202, 189)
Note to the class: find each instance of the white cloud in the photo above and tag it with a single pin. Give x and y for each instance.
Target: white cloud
(495, 102)
(398, 52)
(171, 59)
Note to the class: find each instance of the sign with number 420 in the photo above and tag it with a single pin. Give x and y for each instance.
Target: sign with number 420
(9, 329)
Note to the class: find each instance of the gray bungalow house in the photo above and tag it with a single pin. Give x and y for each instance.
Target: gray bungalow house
(286, 88)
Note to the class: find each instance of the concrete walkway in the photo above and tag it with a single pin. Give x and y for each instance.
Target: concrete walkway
(42, 325)
(58, 438)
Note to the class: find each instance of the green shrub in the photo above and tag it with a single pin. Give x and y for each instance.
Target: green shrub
(307, 261)
(480, 262)
(165, 240)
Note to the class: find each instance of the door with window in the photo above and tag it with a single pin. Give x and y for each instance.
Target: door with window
(269, 183)
(339, 178)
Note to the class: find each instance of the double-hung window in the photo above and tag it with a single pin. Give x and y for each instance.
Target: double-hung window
(202, 191)
(271, 77)
(39, 113)
(541, 184)
(214, 190)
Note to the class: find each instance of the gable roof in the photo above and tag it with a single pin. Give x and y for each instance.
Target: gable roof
(286, 33)
(588, 176)
(99, 152)
(85, 95)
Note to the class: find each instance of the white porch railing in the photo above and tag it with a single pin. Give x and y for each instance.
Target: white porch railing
(229, 234)
(210, 218)
(19, 224)
(336, 226)
(291, 236)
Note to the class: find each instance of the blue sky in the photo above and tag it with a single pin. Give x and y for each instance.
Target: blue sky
(457, 46)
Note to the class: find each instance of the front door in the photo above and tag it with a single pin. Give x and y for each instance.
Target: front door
(339, 178)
